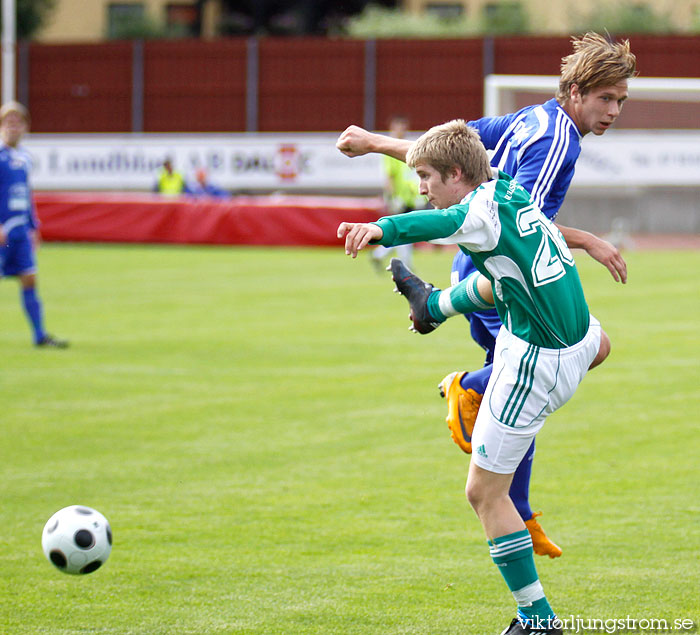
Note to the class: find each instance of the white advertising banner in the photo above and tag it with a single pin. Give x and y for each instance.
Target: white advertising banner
(239, 162)
(639, 159)
(310, 162)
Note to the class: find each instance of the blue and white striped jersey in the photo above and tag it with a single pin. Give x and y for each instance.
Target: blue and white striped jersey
(538, 147)
(16, 202)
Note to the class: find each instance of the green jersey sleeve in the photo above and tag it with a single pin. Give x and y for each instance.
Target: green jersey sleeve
(462, 224)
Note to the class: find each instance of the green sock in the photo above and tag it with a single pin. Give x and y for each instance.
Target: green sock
(464, 297)
(434, 306)
(514, 557)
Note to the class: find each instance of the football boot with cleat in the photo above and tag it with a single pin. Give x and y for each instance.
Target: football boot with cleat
(417, 293)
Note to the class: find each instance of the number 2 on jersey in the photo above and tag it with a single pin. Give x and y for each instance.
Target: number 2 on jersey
(552, 252)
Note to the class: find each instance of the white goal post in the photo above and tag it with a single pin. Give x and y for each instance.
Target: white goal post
(500, 89)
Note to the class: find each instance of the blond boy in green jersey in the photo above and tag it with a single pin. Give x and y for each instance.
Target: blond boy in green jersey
(547, 343)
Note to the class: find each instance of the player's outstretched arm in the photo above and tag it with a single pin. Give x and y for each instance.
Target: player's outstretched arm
(601, 250)
(358, 236)
(355, 141)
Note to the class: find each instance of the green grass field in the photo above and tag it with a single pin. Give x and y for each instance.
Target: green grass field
(267, 441)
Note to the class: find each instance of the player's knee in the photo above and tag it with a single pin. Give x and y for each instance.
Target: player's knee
(475, 494)
(603, 350)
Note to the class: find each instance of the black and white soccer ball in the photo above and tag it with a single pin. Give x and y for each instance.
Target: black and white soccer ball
(77, 539)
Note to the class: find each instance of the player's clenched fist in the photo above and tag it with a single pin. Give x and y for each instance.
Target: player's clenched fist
(354, 141)
(358, 235)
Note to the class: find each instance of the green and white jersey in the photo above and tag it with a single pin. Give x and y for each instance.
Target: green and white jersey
(536, 286)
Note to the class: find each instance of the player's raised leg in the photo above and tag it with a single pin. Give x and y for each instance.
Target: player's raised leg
(429, 306)
(464, 392)
(417, 293)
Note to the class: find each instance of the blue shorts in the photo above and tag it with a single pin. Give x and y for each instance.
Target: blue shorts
(17, 255)
(484, 325)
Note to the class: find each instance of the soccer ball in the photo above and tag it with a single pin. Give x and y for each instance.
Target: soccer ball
(77, 539)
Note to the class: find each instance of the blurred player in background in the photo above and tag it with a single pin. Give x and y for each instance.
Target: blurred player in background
(546, 345)
(18, 222)
(400, 194)
(538, 146)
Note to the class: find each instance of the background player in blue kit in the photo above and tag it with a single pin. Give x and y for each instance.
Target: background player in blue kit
(205, 188)
(538, 146)
(18, 223)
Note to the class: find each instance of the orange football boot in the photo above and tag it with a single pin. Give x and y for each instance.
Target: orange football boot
(542, 545)
(462, 408)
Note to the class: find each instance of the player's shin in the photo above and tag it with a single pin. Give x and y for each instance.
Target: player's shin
(33, 309)
(464, 297)
(514, 557)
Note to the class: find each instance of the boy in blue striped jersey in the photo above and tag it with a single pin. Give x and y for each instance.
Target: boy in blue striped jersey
(18, 223)
(538, 146)
(546, 345)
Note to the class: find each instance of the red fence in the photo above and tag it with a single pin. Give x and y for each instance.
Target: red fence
(309, 84)
(79, 88)
(290, 84)
(428, 81)
(194, 86)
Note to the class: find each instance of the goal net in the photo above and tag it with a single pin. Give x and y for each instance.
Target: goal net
(655, 103)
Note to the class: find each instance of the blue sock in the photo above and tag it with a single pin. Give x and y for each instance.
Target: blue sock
(32, 307)
(477, 379)
(520, 487)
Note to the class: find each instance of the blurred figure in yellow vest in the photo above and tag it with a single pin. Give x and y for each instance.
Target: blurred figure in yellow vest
(170, 182)
(400, 195)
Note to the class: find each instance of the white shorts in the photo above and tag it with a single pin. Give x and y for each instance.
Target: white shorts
(527, 384)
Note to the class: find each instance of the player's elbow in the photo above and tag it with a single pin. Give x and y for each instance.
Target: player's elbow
(603, 350)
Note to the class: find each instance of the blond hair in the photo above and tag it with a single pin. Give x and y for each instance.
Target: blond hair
(16, 107)
(449, 145)
(595, 62)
